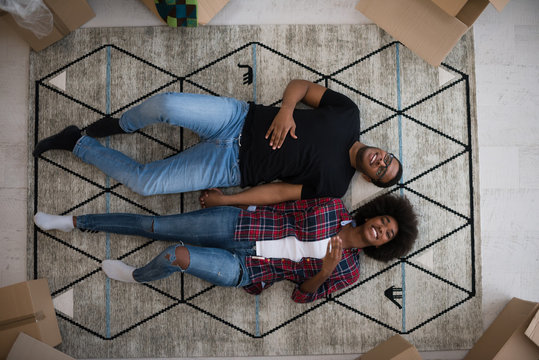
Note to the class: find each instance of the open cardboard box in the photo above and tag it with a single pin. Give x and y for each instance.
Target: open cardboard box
(430, 28)
(396, 348)
(67, 16)
(27, 307)
(505, 339)
(28, 348)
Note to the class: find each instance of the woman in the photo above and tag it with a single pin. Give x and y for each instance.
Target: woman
(314, 243)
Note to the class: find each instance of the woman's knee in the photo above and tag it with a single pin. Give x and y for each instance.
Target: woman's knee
(178, 256)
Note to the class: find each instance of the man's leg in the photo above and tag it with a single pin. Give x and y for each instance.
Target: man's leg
(211, 117)
(205, 165)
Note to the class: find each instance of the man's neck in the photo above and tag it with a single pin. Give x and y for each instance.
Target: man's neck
(353, 152)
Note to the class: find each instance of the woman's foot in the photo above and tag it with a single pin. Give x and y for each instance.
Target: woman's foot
(211, 197)
(57, 222)
(117, 270)
(64, 140)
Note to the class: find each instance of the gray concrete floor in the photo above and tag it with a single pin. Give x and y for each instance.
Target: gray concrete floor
(507, 73)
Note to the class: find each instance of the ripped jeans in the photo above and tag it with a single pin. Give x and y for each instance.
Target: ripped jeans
(215, 257)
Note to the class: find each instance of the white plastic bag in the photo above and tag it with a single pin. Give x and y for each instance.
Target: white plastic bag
(33, 15)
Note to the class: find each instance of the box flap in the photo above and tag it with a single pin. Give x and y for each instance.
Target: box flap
(207, 9)
(499, 4)
(395, 348)
(533, 329)
(471, 11)
(42, 301)
(70, 15)
(15, 302)
(452, 7)
(419, 24)
(28, 348)
(516, 314)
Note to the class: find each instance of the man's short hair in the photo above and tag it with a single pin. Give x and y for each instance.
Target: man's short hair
(393, 181)
(400, 208)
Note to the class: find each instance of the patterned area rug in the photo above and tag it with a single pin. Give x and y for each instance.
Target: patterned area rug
(424, 114)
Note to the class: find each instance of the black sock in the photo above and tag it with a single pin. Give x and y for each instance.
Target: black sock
(104, 127)
(64, 140)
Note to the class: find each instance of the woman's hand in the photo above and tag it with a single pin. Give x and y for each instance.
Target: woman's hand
(279, 128)
(211, 197)
(333, 255)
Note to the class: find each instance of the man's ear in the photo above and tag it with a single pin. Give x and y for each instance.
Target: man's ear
(368, 179)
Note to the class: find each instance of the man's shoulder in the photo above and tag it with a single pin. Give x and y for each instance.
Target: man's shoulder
(336, 99)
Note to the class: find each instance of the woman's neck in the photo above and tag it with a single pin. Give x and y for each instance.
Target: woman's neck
(352, 237)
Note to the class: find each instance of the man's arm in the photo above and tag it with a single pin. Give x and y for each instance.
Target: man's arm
(266, 194)
(297, 90)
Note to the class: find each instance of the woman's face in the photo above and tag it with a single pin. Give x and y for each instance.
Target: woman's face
(380, 229)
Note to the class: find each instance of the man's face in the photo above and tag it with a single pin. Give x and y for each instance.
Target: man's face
(371, 162)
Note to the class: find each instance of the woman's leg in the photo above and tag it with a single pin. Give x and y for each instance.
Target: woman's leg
(211, 117)
(217, 266)
(205, 165)
(212, 227)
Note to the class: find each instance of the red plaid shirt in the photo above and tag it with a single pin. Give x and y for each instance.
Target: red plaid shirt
(307, 220)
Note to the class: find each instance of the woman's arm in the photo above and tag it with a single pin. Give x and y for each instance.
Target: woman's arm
(265, 194)
(330, 262)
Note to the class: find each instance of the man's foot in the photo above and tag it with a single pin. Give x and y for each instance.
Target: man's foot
(105, 126)
(210, 198)
(64, 140)
(58, 222)
(117, 270)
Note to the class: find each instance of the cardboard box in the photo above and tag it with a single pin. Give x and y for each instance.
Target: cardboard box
(206, 9)
(28, 348)
(430, 28)
(67, 16)
(504, 338)
(533, 329)
(396, 348)
(27, 307)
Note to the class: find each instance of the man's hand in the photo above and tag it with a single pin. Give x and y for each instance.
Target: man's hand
(333, 255)
(279, 128)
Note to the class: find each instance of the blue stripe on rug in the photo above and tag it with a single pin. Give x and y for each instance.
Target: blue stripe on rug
(399, 107)
(108, 199)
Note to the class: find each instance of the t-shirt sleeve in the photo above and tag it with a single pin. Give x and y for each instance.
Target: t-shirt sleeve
(324, 188)
(333, 98)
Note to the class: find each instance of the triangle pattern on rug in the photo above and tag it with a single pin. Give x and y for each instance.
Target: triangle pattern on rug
(64, 303)
(59, 81)
(445, 76)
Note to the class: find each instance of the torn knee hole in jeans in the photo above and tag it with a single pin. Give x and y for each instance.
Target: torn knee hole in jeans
(176, 259)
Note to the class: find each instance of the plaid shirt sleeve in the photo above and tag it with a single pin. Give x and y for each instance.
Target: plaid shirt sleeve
(345, 274)
(299, 205)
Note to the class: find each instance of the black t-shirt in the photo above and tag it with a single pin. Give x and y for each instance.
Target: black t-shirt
(318, 159)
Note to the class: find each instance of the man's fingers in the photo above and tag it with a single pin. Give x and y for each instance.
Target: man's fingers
(293, 132)
(268, 133)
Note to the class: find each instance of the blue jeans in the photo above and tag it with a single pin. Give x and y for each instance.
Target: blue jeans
(214, 162)
(215, 257)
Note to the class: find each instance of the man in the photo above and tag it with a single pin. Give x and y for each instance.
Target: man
(313, 152)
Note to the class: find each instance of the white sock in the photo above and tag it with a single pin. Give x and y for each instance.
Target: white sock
(117, 270)
(58, 222)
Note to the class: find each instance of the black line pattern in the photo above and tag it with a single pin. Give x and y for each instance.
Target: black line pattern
(327, 79)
